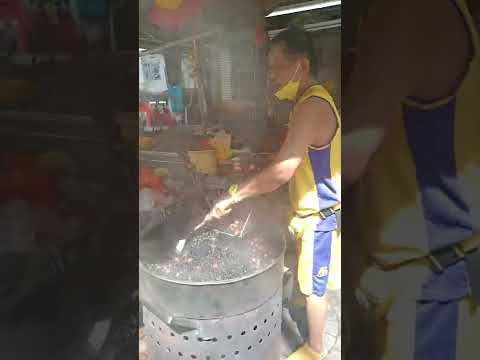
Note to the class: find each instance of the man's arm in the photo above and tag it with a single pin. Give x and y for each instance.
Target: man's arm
(314, 123)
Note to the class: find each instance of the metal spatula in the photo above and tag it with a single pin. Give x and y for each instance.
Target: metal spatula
(197, 229)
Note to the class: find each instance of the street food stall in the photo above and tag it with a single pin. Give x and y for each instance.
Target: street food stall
(205, 124)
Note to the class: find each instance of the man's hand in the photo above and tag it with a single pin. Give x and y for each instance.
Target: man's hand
(221, 208)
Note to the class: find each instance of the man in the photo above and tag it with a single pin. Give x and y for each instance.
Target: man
(310, 159)
(411, 146)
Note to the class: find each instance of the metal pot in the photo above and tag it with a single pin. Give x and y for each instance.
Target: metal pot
(209, 300)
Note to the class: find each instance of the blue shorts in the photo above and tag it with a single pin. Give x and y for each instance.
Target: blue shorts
(432, 317)
(319, 254)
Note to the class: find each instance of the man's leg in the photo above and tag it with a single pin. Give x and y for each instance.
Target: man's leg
(316, 313)
(314, 271)
(325, 275)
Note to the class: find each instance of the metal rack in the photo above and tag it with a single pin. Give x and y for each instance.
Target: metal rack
(180, 42)
(324, 25)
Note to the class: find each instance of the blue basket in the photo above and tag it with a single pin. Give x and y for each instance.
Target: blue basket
(175, 94)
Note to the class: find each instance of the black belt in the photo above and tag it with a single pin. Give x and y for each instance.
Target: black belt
(446, 257)
(322, 213)
(443, 258)
(437, 260)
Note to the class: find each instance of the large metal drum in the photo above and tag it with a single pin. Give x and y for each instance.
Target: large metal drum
(237, 318)
(210, 300)
(254, 335)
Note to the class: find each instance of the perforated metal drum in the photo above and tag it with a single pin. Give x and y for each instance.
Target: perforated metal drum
(236, 316)
(254, 335)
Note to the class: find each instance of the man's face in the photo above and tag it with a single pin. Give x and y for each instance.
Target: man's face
(281, 68)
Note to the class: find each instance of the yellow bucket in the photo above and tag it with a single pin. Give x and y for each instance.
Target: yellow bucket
(145, 143)
(222, 145)
(204, 161)
(169, 4)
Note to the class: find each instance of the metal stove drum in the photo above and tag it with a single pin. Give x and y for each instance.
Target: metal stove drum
(236, 319)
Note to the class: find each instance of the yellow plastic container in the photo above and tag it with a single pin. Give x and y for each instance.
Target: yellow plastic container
(145, 143)
(161, 171)
(204, 161)
(222, 145)
(169, 4)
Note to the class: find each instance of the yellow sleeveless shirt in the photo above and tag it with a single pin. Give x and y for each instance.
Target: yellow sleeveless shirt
(420, 191)
(316, 184)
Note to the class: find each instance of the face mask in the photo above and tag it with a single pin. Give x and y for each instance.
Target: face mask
(290, 90)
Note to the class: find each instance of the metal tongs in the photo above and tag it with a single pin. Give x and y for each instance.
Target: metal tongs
(226, 228)
(221, 228)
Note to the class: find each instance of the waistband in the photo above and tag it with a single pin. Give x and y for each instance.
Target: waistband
(323, 214)
(437, 260)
